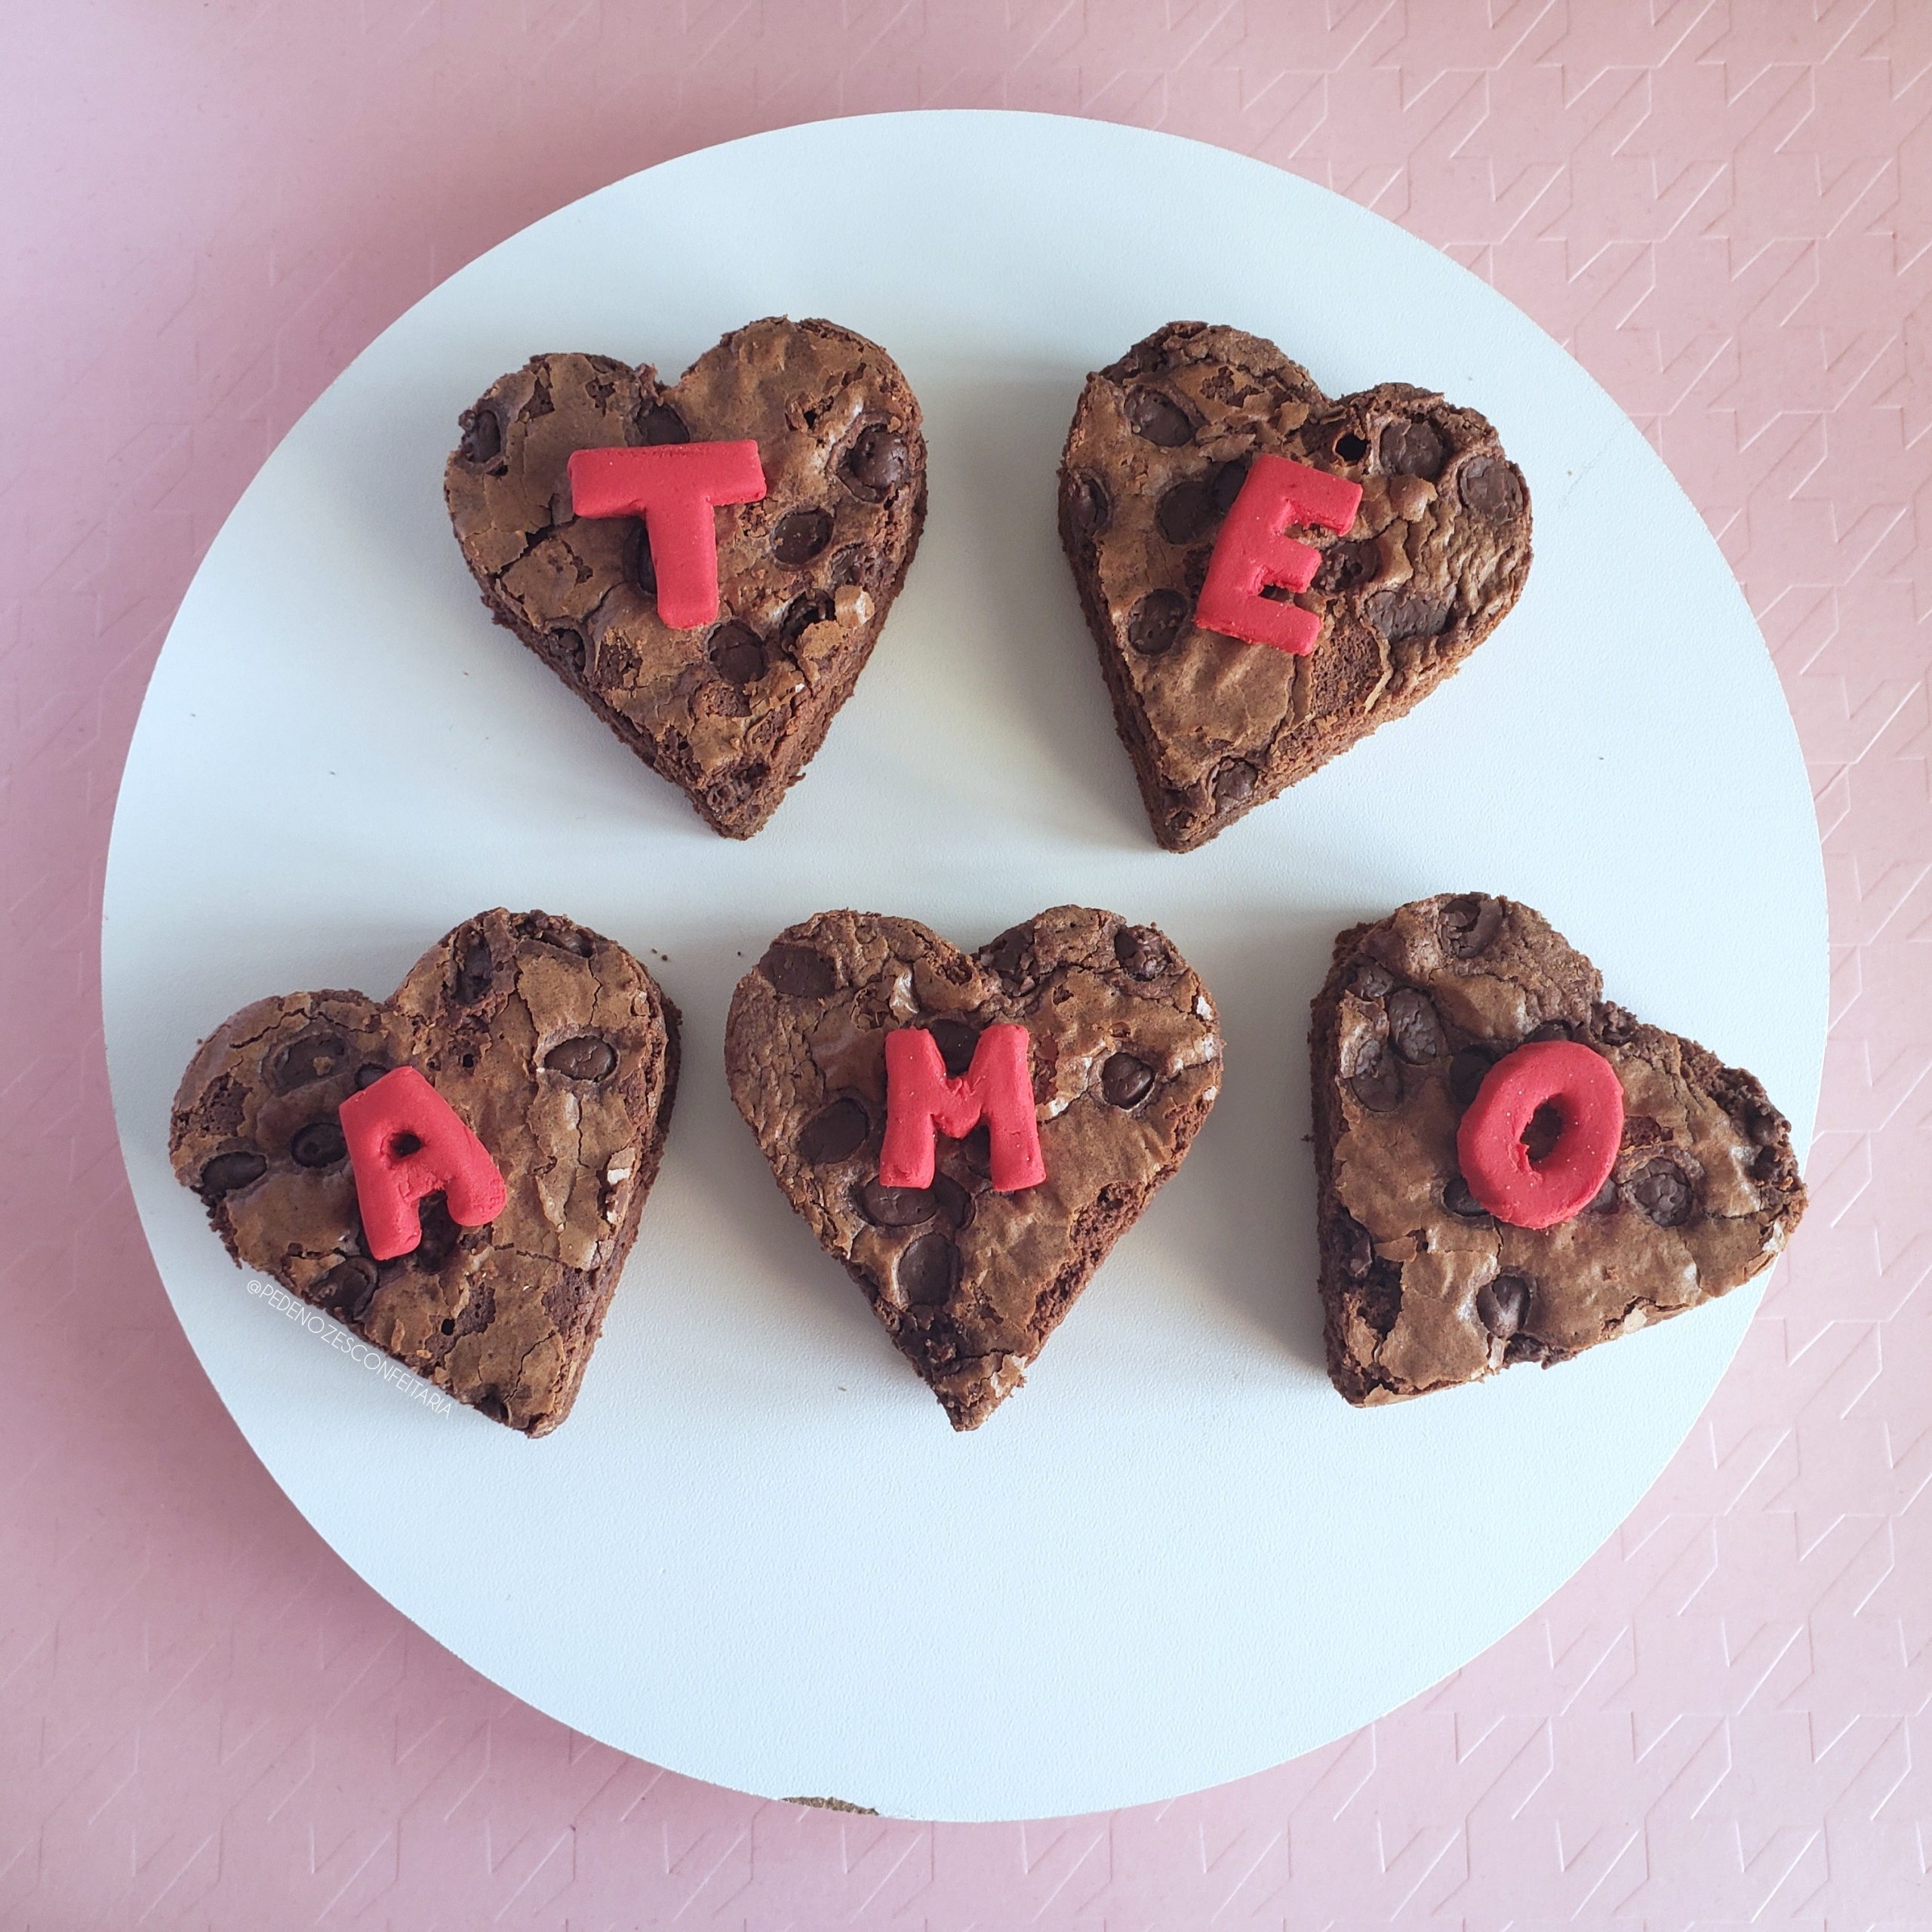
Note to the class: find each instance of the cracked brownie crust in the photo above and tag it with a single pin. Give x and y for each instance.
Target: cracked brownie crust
(1420, 1287)
(1159, 449)
(1126, 1053)
(555, 1046)
(731, 713)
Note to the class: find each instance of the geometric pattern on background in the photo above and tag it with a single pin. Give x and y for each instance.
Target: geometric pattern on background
(1724, 208)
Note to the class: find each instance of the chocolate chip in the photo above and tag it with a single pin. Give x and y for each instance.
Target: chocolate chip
(475, 970)
(815, 607)
(799, 972)
(1467, 1072)
(878, 463)
(1141, 954)
(833, 1133)
(1457, 1198)
(227, 1172)
(896, 1207)
(366, 1075)
(1767, 1127)
(320, 1144)
(313, 1054)
(1502, 1306)
(1234, 783)
(565, 643)
(1550, 1029)
(1414, 1031)
(346, 1289)
(1604, 1201)
(1008, 955)
(954, 1203)
(1156, 622)
(1158, 418)
(564, 938)
(1124, 1080)
(1224, 485)
(955, 1040)
(1491, 486)
(1398, 614)
(1377, 1079)
(583, 1057)
(659, 422)
(1412, 449)
(800, 536)
(482, 436)
(1345, 565)
(1350, 448)
(736, 652)
(1662, 1189)
(927, 1270)
(1356, 1249)
(1468, 925)
(1368, 981)
(1087, 508)
(1186, 512)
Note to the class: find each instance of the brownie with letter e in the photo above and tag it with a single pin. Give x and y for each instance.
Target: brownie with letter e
(1160, 450)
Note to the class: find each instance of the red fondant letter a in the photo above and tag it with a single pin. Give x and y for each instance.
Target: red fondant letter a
(921, 1101)
(673, 487)
(1251, 552)
(406, 1141)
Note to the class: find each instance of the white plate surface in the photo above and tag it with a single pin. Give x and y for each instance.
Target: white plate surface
(756, 1553)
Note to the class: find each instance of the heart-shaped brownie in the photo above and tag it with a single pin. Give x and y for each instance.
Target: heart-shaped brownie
(1126, 1056)
(1422, 1287)
(731, 712)
(1159, 448)
(555, 1047)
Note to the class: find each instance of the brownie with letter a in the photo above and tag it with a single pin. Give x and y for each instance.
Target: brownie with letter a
(553, 1048)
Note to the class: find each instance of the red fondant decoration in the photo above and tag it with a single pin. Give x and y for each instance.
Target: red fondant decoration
(1251, 553)
(673, 488)
(406, 1141)
(920, 1102)
(1582, 1088)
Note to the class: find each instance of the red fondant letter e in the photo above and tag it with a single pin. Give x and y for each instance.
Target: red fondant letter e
(921, 1102)
(673, 488)
(1252, 553)
(406, 1141)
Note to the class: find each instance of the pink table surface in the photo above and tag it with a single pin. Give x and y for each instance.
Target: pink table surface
(1724, 210)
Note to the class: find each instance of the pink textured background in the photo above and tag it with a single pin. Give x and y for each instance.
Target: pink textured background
(1724, 210)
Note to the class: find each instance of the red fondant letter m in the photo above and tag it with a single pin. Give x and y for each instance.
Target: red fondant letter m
(921, 1102)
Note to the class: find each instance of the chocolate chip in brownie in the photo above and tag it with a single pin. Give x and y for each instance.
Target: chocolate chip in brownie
(1156, 622)
(736, 652)
(582, 1056)
(1376, 1081)
(1415, 1031)
(878, 463)
(800, 536)
(1502, 1306)
(1158, 417)
(227, 1172)
(1470, 923)
(319, 1144)
(1141, 954)
(1125, 1080)
(1662, 1189)
(799, 971)
(833, 1133)
(1412, 448)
